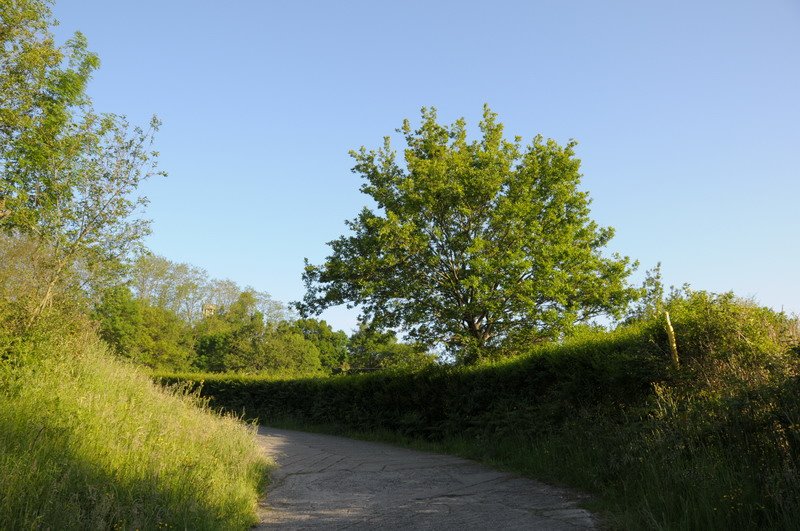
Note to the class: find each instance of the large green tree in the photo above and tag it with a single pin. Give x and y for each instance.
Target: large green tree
(472, 245)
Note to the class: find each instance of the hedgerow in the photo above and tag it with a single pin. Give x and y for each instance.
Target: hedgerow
(546, 387)
(713, 443)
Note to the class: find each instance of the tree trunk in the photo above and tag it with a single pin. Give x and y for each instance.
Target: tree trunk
(45, 302)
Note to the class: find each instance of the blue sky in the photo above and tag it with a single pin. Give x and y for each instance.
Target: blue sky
(686, 114)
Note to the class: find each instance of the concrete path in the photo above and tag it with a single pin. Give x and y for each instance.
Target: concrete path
(336, 483)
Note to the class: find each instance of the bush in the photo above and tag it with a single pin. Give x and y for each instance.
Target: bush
(723, 326)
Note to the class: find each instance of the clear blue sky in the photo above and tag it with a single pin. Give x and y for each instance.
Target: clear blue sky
(686, 113)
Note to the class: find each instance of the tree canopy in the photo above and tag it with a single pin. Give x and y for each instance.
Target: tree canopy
(332, 345)
(238, 338)
(185, 289)
(371, 349)
(148, 334)
(472, 245)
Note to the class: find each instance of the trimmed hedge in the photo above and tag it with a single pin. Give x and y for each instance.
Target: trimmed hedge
(611, 370)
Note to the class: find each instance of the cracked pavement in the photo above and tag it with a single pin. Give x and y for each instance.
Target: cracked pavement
(331, 482)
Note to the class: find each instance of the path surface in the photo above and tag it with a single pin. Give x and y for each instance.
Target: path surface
(336, 483)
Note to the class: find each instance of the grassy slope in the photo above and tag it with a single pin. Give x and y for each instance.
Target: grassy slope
(87, 441)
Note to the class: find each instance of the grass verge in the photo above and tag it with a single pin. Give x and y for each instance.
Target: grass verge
(88, 441)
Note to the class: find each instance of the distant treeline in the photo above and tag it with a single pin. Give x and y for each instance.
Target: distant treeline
(173, 316)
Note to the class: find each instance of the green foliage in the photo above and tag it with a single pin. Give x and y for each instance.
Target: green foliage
(160, 324)
(146, 334)
(120, 318)
(651, 303)
(239, 339)
(165, 340)
(175, 287)
(24, 281)
(69, 175)
(332, 345)
(88, 442)
(371, 349)
(473, 245)
(287, 349)
(725, 328)
(546, 387)
(183, 289)
(40, 85)
(714, 444)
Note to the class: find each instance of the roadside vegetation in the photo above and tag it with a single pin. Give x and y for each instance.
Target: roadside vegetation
(480, 276)
(713, 443)
(89, 442)
(172, 316)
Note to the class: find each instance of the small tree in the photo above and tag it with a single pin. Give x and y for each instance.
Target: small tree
(474, 245)
(332, 345)
(69, 175)
(147, 334)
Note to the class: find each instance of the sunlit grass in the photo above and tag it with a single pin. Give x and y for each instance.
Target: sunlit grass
(87, 441)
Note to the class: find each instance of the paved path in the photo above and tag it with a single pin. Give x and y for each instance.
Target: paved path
(336, 483)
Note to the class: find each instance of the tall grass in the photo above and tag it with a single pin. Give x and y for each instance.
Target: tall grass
(88, 441)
